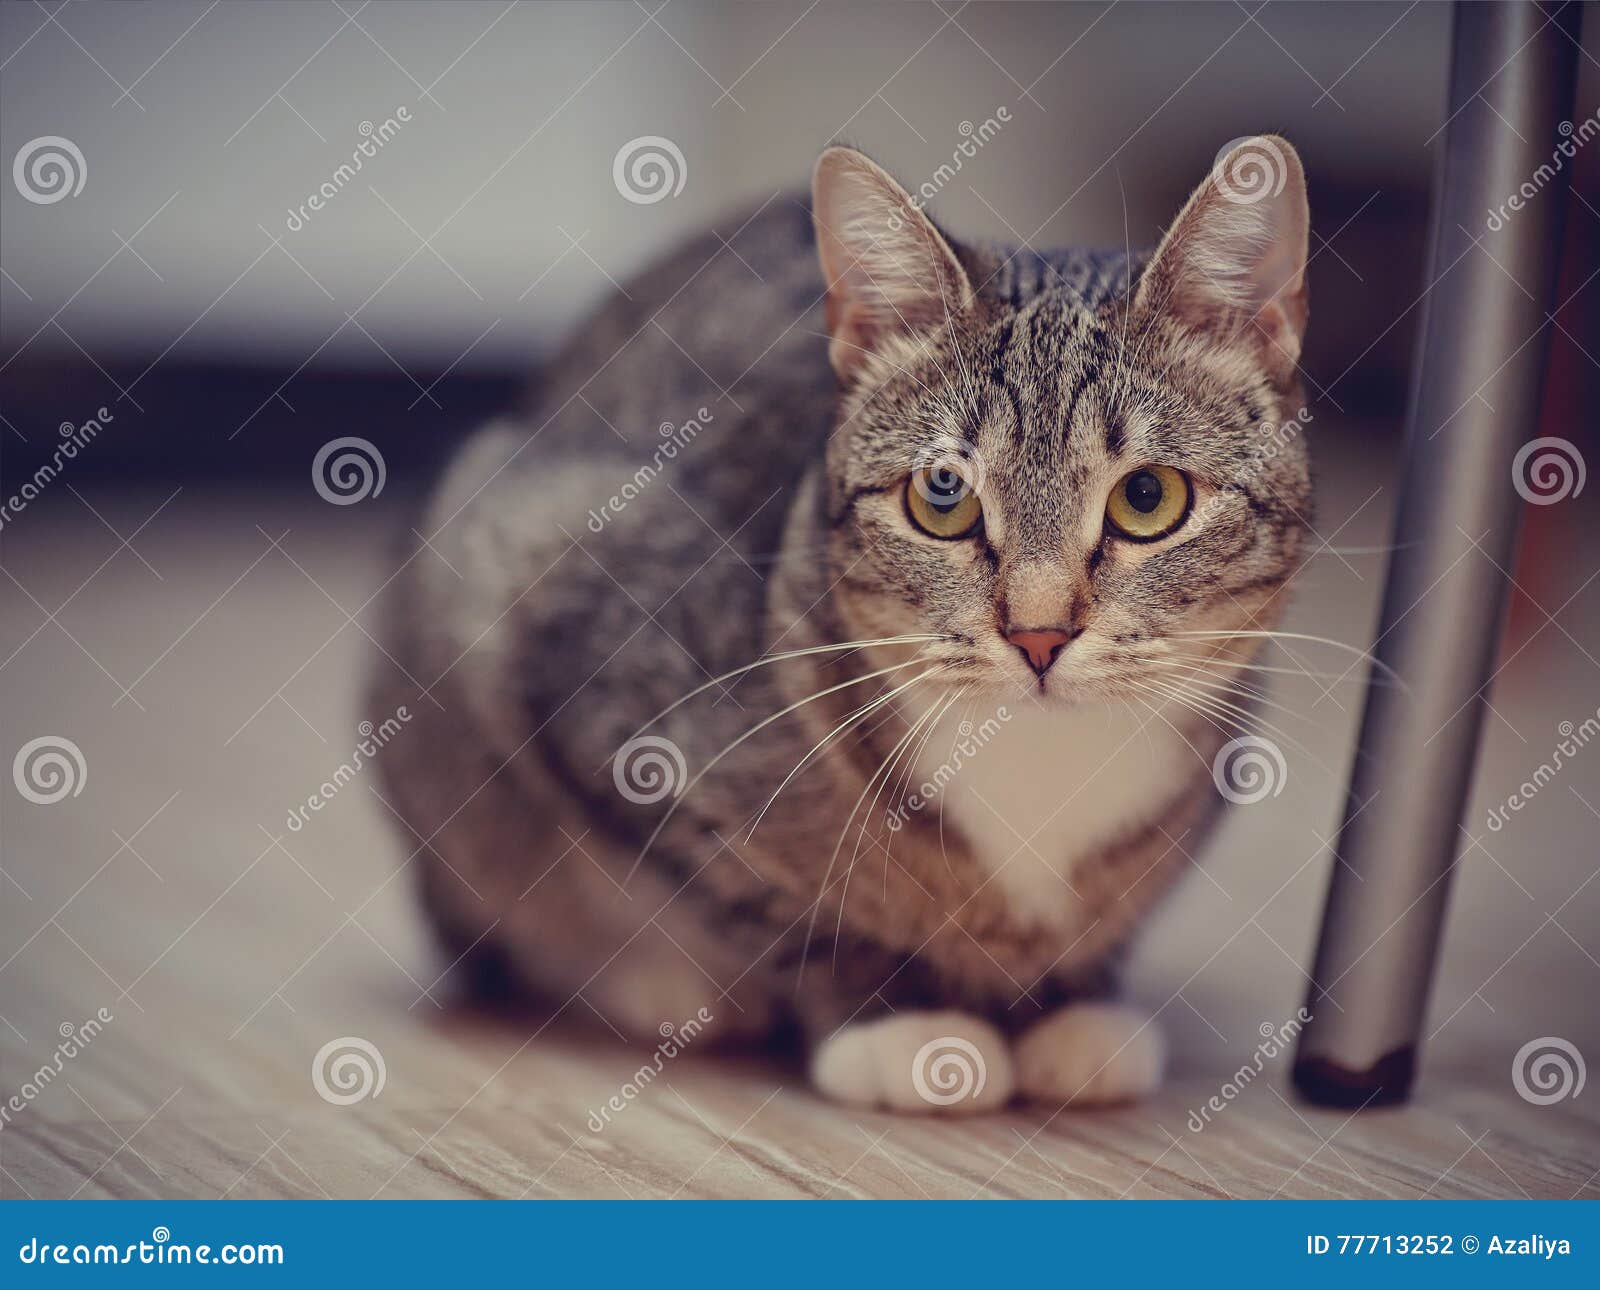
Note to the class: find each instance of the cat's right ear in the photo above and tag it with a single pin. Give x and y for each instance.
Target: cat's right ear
(889, 270)
(1234, 260)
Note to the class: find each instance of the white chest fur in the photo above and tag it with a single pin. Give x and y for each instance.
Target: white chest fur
(1037, 790)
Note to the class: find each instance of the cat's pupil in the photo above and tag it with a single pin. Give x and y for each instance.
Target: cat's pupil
(1143, 491)
(945, 489)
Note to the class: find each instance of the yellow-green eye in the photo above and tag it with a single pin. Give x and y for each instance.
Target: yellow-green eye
(941, 503)
(1149, 503)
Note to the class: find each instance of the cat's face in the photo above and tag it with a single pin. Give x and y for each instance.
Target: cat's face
(1063, 479)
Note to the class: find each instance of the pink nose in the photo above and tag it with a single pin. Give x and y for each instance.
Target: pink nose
(1039, 646)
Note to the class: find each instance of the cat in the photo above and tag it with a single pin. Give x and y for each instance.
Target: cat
(841, 643)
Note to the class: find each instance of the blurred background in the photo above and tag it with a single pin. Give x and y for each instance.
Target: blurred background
(233, 294)
(484, 226)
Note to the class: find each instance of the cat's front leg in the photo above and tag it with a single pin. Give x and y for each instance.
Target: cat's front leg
(1091, 1054)
(916, 1062)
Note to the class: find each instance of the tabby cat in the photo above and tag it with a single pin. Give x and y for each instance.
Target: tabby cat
(841, 644)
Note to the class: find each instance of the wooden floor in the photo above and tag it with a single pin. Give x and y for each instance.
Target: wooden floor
(208, 674)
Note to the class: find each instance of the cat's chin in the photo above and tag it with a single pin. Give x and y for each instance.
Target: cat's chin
(1069, 693)
(1064, 693)
(1062, 686)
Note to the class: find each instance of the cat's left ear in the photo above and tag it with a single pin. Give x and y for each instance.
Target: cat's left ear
(888, 269)
(1234, 260)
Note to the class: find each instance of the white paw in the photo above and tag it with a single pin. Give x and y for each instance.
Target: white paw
(918, 1062)
(1091, 1054)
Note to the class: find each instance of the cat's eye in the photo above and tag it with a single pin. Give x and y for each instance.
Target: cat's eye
(942, 503)
(1149, 503)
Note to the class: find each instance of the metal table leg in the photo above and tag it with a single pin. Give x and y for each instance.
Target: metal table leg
(1475, 401)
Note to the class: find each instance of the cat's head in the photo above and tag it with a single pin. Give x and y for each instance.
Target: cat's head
(1058, 471)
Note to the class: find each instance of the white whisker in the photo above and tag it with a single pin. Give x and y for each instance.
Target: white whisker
(1222, 712)
(898, 796)
(1256, 693)
(909, 639)
(800, 765)
(1155, 711)
(822, 889)
(754, 730)
(1309, 673)
(1368, 655)
(887, 771)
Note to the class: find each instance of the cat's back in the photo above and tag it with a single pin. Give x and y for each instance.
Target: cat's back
(726, 321)
(665, 443)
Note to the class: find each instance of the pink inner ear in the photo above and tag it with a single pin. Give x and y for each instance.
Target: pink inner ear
(888, 268)
(1235, 256)
(1277, 273)
(853, 329)
(1233, 265)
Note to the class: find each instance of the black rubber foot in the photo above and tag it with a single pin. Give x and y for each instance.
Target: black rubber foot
(1385, 1083)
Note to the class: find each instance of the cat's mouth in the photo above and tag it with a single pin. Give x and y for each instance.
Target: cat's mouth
(1084, 670)
(1068, 682)
(1064, 670)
